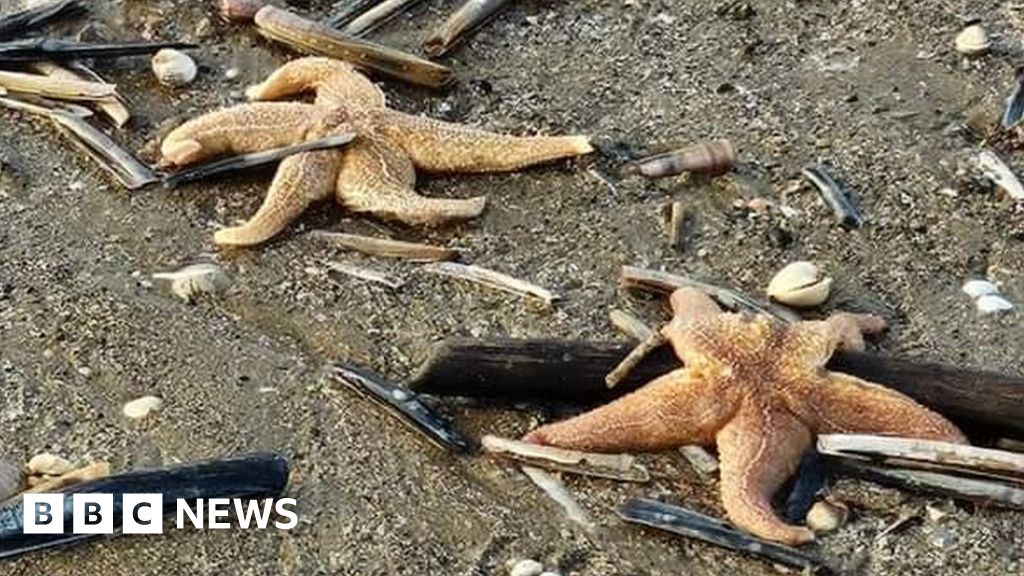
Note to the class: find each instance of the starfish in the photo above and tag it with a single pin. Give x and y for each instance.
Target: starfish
(760, 391)
(376, 174)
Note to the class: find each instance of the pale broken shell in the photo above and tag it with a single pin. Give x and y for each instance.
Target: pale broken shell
(47, 464)
(826, 516)
(979, 288)
(173, 68)
(801, 285)
(992, 304)
(10, 480)
(196, 279)
(973, 41)
(142, 407)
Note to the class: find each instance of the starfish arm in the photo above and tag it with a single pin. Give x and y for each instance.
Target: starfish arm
(812, 343)
(438, 146)
(689, 306)
(845, 404)
(336, 83)
(377, 177)
(758, 450)
(671, 410)
(300, 180)
(238, 130)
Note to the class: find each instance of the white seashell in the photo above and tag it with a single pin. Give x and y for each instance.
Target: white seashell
(173, 68)
(526, 568)
(190, 281)
(826, 516)
(10, 480)
(142, 407)
(998, 172)
(800, 284)
(49, 464)
(973, 41)
(992, 304)
(979, 288)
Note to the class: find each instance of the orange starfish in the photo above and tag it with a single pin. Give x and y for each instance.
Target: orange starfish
(760, 391)
(376, 174)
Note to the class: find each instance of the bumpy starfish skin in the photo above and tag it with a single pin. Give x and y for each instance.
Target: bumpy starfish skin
(760, 391)
(376, 174)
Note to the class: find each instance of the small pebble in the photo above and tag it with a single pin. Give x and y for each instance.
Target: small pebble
(49, 464)
(142, 407)
(527, 568)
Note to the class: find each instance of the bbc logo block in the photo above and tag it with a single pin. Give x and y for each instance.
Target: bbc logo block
(92, 513)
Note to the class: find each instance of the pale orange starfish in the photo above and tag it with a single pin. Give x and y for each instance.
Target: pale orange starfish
(760, 391)
(376, 174)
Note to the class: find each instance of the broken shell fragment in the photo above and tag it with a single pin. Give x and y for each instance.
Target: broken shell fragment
(174, 68)
(800, 284)
(191, 281)
(835, 195)
(998, 172)
(826, 516)
(47, 464)
(1014, 111)
(992, 304)
(979, 288)
(10, 480)
(711, 158)
(973, 41)
(142, 407)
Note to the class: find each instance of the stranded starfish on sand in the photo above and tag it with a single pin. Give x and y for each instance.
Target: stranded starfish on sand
(376, 174)
(759, 390)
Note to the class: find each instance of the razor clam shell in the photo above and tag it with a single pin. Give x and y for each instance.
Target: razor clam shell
(46, 49)
(255, 159)
(349, 11)
(366, 274)
(613, 466)
(195, 279)
(557, 491)
(1014, 111)
(468, 17)
(656, 281)
(998, 172)
(492, 279)
(404, 404)
(377, 16)
(61, 88)
(630, 325)
(38, 15)
(691, 524)
(114, 108)
(386, 247)
(314, 38)
(834, 195)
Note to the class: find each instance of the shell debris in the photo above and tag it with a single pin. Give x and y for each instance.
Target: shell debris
(174, 68)
(189, 282)
(800, 284)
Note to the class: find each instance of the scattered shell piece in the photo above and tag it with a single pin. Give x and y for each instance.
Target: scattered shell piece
(11, 481)
(800, 284)
(48, 464)
(992, 304)
(492, 279)
(550, 574)
(1014, 110)
(998, 172)
(711, 158)
(195, 279)
(826, 516)
(936, 513)
(93, 471)
(973, 41)
(979, 288)
(554, 488)
(526, 568)
(835, 195)
(366, 274)
(630, 325)
(142, 407)
(614, 466)
(174, 68)
(702, 461)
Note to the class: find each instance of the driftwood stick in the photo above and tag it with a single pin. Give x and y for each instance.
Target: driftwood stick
(574, 371)
(635, 357)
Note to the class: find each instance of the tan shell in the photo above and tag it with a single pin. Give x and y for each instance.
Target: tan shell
(173, 68)
(826, 516)
(142, 407)
(801, 285)
(973, 41)
(48, 464)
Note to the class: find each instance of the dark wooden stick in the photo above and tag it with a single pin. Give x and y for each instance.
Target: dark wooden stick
(574, 371)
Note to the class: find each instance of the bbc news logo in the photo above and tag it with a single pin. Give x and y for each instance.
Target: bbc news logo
(144, 513)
